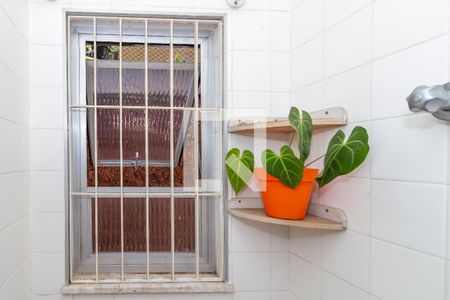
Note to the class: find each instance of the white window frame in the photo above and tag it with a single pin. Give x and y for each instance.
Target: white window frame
(204, 258)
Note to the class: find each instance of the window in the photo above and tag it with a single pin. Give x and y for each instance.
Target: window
(145, 149)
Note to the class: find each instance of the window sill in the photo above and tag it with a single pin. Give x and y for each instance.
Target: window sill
(146, 288)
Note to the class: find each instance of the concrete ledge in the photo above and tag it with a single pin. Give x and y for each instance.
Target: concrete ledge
(146, 288)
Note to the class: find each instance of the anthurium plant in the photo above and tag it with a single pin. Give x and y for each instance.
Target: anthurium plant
(341, 158)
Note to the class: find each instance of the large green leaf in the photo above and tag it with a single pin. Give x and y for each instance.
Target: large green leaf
(287, 167)
(302, 123)
(239, 168)
(343, 156)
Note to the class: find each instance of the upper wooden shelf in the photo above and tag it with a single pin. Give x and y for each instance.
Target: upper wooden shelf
(326, 118)
(319, 217)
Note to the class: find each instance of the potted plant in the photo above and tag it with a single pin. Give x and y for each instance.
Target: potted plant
(286, 183)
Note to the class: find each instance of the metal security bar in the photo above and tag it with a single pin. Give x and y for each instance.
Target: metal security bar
(147, 193)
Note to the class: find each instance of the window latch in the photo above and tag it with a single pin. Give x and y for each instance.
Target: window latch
(135, 163)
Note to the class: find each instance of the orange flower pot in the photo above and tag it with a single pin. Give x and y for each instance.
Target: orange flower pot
(284, 202)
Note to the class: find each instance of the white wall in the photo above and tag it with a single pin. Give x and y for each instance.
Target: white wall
(258, 49)
(15, 263)
(368, 57)
(361, 55)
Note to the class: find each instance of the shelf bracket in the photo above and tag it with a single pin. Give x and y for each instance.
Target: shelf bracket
(315, 209)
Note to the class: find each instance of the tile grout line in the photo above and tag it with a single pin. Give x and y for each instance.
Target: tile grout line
(322, 146)
(370, 154)
(447, 233)
(368, 62)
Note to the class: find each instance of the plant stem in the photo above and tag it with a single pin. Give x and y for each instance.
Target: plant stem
(315, 160)
(292, 138)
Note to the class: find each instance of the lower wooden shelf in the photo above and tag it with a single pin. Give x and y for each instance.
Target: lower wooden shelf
(316, 219)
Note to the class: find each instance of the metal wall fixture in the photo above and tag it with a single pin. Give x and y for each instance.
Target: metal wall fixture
(433, 99)
(236, 3)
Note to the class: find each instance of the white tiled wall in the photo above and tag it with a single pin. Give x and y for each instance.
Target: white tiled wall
(258, 69)
(367, 56)
(361, 54)
(15, 252)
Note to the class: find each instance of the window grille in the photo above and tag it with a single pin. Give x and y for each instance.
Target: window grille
(145, 149)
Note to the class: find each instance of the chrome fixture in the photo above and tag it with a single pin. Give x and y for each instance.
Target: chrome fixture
(236, 3)
(433, 99)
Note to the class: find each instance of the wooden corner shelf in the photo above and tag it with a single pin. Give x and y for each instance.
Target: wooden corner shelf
(319, 217)
(326, 118)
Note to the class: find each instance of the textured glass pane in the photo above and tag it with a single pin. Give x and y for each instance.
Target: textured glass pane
(78, 150)
(134, 225)
(108, 139)
(211, 66)
(211, 156)
(209, 235)
(133, 83)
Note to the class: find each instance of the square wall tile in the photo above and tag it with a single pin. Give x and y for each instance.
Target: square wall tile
(15, 157)
(352, 91)
(254, 24)
(13, 287)
(281, 5)
(14, 197)
(282, 296)
(249, 236)
(214, 296)
(17, 12)
(251, 296)
(42, 20)
(53, 266)
(94, 297)
(217, 4)
(280, 104)
(135, 5)
(348, 44)
(309, 98)
(410, 214)
(15, 57)
(424, 64)
(390, 35)
(133, 297)
(47, 191)
(279, 238)
(174, 297)
(47, 149)
(247, 101)
(336, 288)
(10, 257)
(307, 63)
(42, 72)
(335, 11)
(307, 244)
(15, 106)
(251, 271)
(251, 71)
(173, 3)
(279, 271)
(280, 71)
(308, 22)
(257, 5)
(48, 232)
(400, 273)
(280, 25)
(448, 281)
(353, 196)
(53, 297)
(347, 255)
(305, 279)
(47, 107)
(400, 158)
